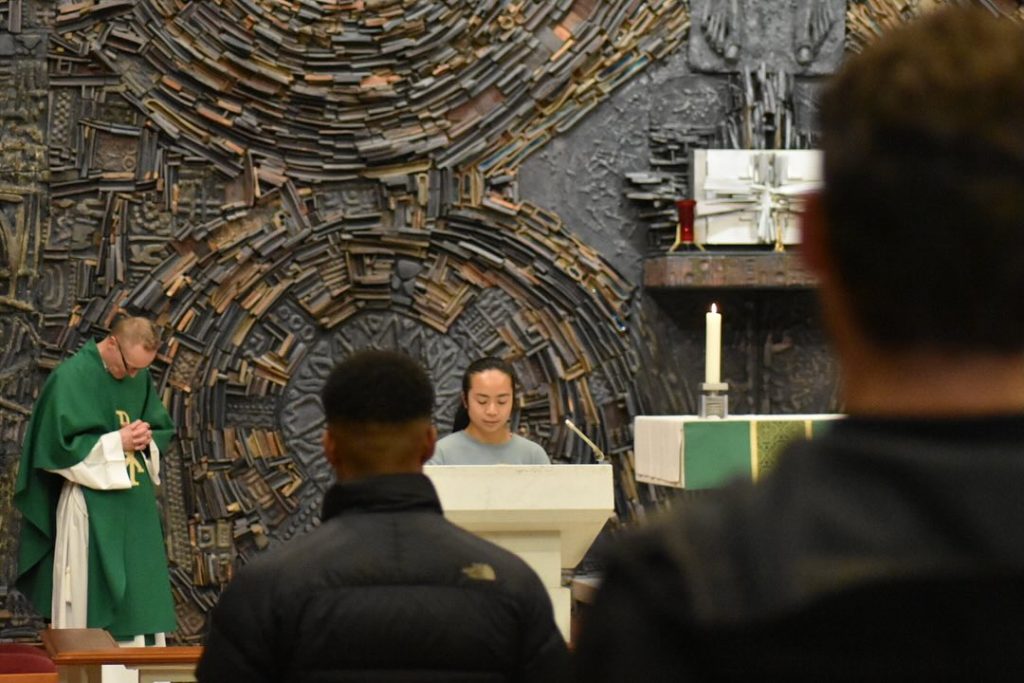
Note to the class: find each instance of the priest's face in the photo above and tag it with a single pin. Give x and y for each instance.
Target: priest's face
(132, 357)
(489, 403)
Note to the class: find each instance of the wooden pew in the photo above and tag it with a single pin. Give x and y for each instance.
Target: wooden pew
(80, 653)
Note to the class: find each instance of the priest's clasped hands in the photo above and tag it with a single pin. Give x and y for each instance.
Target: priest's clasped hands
(136, 435)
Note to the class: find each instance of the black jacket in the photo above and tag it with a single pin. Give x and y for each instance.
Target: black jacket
(869, 502)
(385, 589)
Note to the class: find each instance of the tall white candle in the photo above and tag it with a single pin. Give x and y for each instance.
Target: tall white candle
(713, 347)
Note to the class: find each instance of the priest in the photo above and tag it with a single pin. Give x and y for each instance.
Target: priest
(92, 551)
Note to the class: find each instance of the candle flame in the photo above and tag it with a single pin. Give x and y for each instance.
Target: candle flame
(714, 308)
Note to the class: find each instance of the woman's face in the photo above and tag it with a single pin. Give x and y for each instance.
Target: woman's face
(489, 401)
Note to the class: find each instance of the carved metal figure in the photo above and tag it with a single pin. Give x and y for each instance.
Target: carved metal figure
(802, 36)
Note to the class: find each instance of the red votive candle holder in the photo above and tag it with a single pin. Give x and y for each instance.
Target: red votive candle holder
(684, 208)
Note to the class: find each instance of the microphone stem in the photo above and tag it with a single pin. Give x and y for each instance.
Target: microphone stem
(597, 451)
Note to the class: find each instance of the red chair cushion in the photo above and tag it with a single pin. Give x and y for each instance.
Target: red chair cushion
(21, 658)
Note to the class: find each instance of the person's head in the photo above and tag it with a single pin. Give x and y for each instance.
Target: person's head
(130, 347)
(918, 235)
(378, 407)
(488, 398)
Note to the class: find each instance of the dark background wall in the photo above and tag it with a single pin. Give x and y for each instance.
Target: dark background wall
(278, 184)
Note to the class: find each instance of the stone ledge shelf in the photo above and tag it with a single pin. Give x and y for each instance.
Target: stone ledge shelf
(740, 270)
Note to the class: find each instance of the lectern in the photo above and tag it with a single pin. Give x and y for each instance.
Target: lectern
(546, 514)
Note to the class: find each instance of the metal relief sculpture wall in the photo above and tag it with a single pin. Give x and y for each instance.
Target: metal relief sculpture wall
(23, 262)
(281, 183)
(618, 191)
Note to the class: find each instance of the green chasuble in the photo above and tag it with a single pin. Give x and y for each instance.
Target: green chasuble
(129, 588)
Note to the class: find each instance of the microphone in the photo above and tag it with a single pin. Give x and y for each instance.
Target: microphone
(599, 455)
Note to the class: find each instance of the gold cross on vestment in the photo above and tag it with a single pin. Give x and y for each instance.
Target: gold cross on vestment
(134, 466)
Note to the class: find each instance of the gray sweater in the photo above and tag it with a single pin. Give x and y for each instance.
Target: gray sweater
(459, 448)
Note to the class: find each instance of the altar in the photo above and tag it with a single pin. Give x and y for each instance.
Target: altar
(689, 452)
(546, 514)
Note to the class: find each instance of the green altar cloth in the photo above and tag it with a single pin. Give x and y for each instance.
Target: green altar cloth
(694, 453)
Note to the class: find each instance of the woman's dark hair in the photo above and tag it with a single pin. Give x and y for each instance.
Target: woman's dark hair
(461, 420)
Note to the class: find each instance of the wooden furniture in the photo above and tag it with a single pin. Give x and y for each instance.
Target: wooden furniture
(80, 654)
(729, 270)
(29, 678)
(582, 589)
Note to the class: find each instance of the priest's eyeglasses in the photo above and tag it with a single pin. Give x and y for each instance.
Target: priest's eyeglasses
(129, 370)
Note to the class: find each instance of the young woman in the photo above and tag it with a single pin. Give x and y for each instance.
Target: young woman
(480, 433)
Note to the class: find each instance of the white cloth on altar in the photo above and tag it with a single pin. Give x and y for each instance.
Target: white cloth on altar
(658, 448)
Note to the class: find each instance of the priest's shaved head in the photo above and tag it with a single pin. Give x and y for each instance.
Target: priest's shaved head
(130, 347)
(137, 330)
(378, 407)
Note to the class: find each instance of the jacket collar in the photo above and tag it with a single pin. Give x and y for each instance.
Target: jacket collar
(384, 493)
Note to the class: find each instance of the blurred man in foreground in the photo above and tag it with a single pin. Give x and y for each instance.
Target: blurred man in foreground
(918, 243)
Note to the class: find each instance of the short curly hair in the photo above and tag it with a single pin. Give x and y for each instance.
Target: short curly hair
(377, 387)
(923, 135)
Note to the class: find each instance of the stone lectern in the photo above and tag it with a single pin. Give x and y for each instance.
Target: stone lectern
(546, 514)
